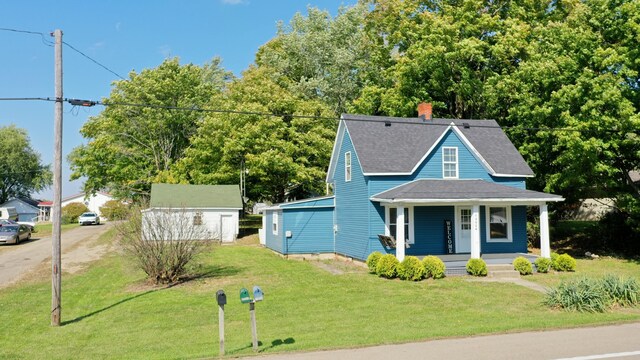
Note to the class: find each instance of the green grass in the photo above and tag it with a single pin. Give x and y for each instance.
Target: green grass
(108, 313)
(591, 268)
(43, 230)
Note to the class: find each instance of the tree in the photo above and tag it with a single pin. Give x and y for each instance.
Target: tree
(320, 57)
(21, 170)
(114, 210)
(130, 147)
(72, 211)
(283, 154)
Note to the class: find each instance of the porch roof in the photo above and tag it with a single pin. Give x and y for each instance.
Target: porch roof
(434, 191)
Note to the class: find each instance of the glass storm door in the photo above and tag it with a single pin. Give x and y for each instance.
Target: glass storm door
(463, 236)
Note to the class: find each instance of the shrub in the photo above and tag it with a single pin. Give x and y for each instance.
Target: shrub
(411, 268)
(434, 267)
(522, 265)
(554, 258)
(163, 242)
(543, 265)
(565, 262)
(387, 265)
(584, 295)
(372, 261)
(72, 211)
(114, 210)
(477, 267)
(622, 291)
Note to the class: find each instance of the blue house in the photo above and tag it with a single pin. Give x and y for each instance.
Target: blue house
(26, 208)
(434, 186)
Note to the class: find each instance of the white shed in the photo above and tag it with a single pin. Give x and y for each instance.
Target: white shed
(200, 212)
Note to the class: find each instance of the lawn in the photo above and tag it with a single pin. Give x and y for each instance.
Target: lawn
(45, 229)
(108, 311)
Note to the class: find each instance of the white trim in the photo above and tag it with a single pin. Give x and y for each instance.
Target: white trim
(307, 207)
(458, 229)
(387, 224)
(450, 162)
(512, 175)
(487, 213)
(545, 246)
(274, 221)
(470, 201)
(333, 162)
(188, 208)
(473, 150)
(307, 200)
(348, 174)
(475, 232)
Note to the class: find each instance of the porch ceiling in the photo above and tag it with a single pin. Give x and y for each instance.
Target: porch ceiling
(433, 191)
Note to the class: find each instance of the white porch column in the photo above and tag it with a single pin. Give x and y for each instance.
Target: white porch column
(545, 247)
(400, 236)
(475, 232)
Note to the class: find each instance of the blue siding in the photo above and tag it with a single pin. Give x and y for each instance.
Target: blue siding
(310, 203)
(429, 229)
(25, 211)
(518, 232)
(352, 206)
(311, 230)
(273, 242)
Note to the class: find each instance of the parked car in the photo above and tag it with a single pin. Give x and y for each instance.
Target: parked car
(89, 218)
(14, 233)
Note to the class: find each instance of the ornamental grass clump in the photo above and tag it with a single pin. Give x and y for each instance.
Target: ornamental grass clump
(387, 266)
(564, 262)
(411, 268)
(622, 291)
(522, 265)
(477, 267)
(434, 267)
(372, 261)
(583, 295)
(543, 265)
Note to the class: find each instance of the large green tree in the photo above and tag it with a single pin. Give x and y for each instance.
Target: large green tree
(21, 170)
(134, 141)
(284, 155)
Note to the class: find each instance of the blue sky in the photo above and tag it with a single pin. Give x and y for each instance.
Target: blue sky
(124, 36)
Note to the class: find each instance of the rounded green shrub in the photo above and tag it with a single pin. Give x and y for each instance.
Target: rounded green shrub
(543, 265)
(70, 212)
(387, 266)
(522, 265)
(411, 268)
(372, 261)
(434, 267)
(477, 267)
(565, 262)
(554, 258)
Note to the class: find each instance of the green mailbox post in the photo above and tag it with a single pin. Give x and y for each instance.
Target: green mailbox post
(245, 298)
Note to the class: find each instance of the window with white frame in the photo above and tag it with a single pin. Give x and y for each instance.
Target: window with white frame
(450, 162)
(392, 223)
(347, 166)
(275, 223)
(498, 224)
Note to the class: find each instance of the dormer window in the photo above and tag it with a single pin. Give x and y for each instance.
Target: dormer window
(450, 162)
(347, 166)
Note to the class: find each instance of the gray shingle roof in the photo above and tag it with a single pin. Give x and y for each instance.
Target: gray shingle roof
(195, 196)
(428, 189)
(398, 148)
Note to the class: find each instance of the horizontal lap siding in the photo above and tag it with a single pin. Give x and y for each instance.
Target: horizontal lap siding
(352, 206)
(311, 203)
(518, 231)
(273, 242)
(429, 229)
(311, 231)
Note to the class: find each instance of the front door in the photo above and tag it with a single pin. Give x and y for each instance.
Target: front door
(226, 228)
(463, 230)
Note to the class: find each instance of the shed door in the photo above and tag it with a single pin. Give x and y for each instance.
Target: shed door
(227, 230)
(463, 230)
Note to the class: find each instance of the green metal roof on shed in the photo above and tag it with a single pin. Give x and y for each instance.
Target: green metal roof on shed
(195, 196)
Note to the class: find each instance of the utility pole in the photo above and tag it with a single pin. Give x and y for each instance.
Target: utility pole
(56, 271)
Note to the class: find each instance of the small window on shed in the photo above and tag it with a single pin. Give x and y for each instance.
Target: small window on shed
(275, 223)
(347, 166)
(197, 218)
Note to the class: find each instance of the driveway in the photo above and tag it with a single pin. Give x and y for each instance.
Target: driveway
(20, 259)
(602, 342)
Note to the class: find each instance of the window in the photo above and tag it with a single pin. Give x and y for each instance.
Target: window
(392, 217)
(275, 223)
(498, 224)
(347, 166)
(197, 218)
(450, 162)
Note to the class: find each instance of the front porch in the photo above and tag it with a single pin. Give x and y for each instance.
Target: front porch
(456, 263)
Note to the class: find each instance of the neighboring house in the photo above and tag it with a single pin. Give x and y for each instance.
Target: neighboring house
(45, 210)
(438, 186)
(212, 209)
(93, 202)
(27, 208)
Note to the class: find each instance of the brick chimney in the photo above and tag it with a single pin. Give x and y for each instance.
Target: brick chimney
(424, 111)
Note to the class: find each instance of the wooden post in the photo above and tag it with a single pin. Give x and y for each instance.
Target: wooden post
(254, 330)
(221, 328)
(56, 271)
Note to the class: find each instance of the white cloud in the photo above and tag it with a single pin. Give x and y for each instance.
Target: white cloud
(165, 50)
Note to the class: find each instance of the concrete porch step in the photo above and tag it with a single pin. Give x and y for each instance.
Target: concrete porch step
(502, 271)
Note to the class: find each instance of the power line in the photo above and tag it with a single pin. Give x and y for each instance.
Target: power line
(26, 98)
(93, 60)
(42, 35)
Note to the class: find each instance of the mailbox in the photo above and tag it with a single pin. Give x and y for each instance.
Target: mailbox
(244, 296)
(221, 297)
(258, 295)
